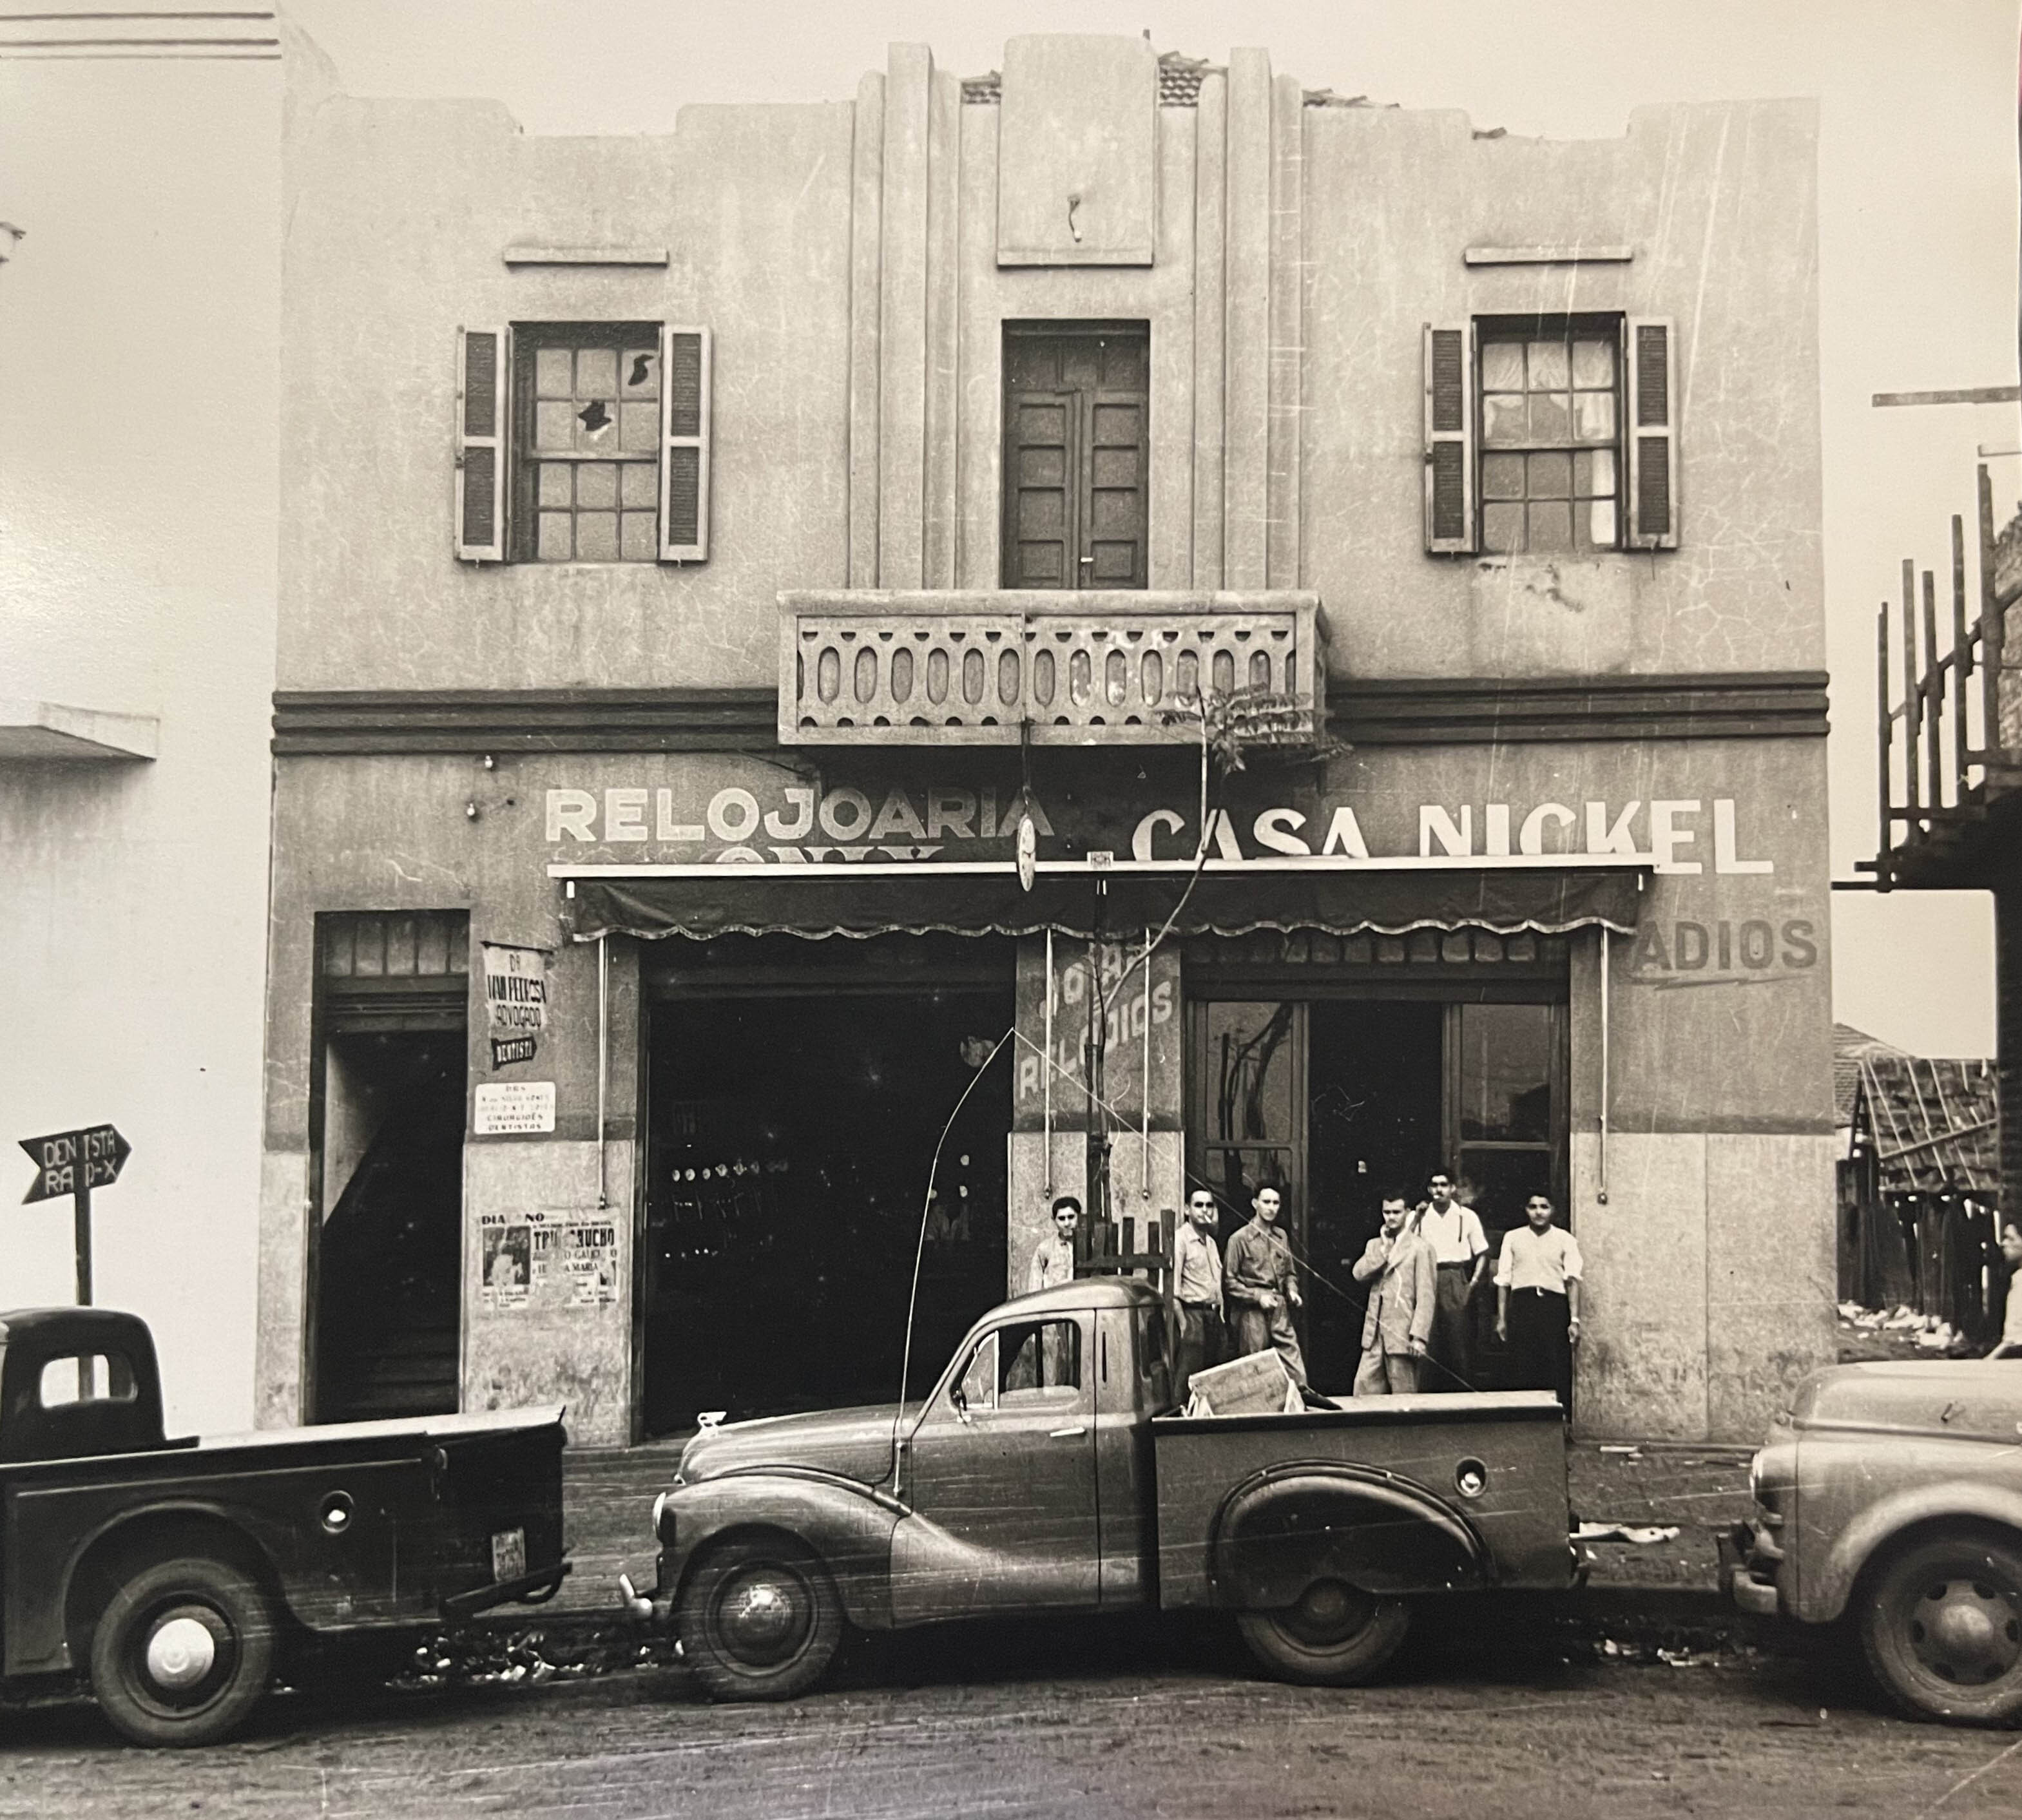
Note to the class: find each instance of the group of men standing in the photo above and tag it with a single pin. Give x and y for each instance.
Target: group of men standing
(1421, 1274)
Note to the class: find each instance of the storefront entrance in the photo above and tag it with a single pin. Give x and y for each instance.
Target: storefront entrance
(389, 1122)
(796, 1091)
(1348, 1092)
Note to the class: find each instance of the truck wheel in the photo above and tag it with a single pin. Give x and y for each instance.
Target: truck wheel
(1336, 1635)
(1941, 1623)
(183, 1652)
(759, 1620)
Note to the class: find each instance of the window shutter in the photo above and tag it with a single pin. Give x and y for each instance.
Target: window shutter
(1449, 357)
(1653, 436)
(483, 357)
(684, 361)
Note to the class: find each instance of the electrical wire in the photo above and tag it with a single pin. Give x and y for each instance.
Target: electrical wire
(920, 1244)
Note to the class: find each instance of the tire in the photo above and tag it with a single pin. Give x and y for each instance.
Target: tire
(1941, 1623)
(759, 1620)
(1336, 1636)
(183, 1652)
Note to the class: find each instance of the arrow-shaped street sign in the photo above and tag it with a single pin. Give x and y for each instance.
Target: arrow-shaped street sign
(69, 1162)
(74, 1163)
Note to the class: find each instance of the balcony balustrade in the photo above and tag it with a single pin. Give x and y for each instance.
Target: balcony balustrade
(1121, 667)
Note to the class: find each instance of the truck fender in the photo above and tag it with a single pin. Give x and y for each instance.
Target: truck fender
(90, 1574)
(1298, 1523)
(847, 1526)
(1822, 1599)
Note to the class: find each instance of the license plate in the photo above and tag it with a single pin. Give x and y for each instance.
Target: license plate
(508, 1554)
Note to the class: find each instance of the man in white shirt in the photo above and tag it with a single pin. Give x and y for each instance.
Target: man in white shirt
(1537, 1300)
(2010, 1346)
(1460, 1251)
(1197, 1289)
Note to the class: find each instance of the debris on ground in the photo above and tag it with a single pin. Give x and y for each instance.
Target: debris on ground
(1643, 1534)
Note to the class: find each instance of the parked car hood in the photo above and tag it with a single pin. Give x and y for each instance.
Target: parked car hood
(854, 1443)
(1955, 1398)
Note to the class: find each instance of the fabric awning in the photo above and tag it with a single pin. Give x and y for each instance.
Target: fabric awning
(768, 900)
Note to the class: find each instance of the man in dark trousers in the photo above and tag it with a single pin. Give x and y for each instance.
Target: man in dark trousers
(1537, 1300)
(1197, 1289)
(1460, 1250)
(1261, 1284)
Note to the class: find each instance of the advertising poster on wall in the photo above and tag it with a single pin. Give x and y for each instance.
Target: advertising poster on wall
(505, 1261)
(549, 1259)
(516, 1001)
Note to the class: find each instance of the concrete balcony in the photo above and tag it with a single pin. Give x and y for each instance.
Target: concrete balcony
(1100, 667)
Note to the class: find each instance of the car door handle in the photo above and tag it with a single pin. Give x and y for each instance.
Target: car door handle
(1066, 1434)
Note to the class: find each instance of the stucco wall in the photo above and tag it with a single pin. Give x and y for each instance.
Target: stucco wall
(845, 256)
(138, 392)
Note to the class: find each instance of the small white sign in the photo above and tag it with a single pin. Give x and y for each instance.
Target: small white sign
(505, 1107)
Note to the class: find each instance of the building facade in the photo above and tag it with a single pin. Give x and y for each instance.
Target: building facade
(856, 668)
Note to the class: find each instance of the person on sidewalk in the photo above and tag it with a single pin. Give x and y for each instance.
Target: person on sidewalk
(1537, 1300)
(1197, 1289)
(2009, 1346)
(1261, 1285)
(1397, 1323)
(1460, 1251)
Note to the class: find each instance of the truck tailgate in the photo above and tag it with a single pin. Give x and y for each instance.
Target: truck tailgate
(1517, 1438)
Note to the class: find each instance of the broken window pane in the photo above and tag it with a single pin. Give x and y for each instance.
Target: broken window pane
(641, 377)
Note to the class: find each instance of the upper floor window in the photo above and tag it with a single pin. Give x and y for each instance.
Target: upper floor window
(583, 443)
(1076, 398)
(1550, 435)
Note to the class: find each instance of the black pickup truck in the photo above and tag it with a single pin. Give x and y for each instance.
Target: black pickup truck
(180, 1577)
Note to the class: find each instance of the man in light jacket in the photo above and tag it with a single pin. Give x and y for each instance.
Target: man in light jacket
(1403, 1294)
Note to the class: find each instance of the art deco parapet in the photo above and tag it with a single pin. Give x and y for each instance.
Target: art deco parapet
(1120, 667)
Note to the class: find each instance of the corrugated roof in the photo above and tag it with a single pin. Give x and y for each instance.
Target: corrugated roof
(1932, 1121)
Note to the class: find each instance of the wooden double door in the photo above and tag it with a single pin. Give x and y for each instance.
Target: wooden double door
(1076, 404)
(1337, 1102)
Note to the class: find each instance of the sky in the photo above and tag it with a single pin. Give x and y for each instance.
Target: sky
(1918, 185)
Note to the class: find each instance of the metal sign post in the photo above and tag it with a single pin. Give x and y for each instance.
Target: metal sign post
(74, 1163)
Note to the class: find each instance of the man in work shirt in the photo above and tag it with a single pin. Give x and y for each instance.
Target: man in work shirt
(1460, 1251)
(1537, 1300)
(1403, 1292)
(1260, 1282)
(1053, 1257)
(1197, 1289)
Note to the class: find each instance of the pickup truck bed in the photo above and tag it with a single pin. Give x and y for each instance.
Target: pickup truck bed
(1467, 1491)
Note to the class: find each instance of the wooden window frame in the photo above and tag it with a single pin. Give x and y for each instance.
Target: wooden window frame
(1609, 325)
